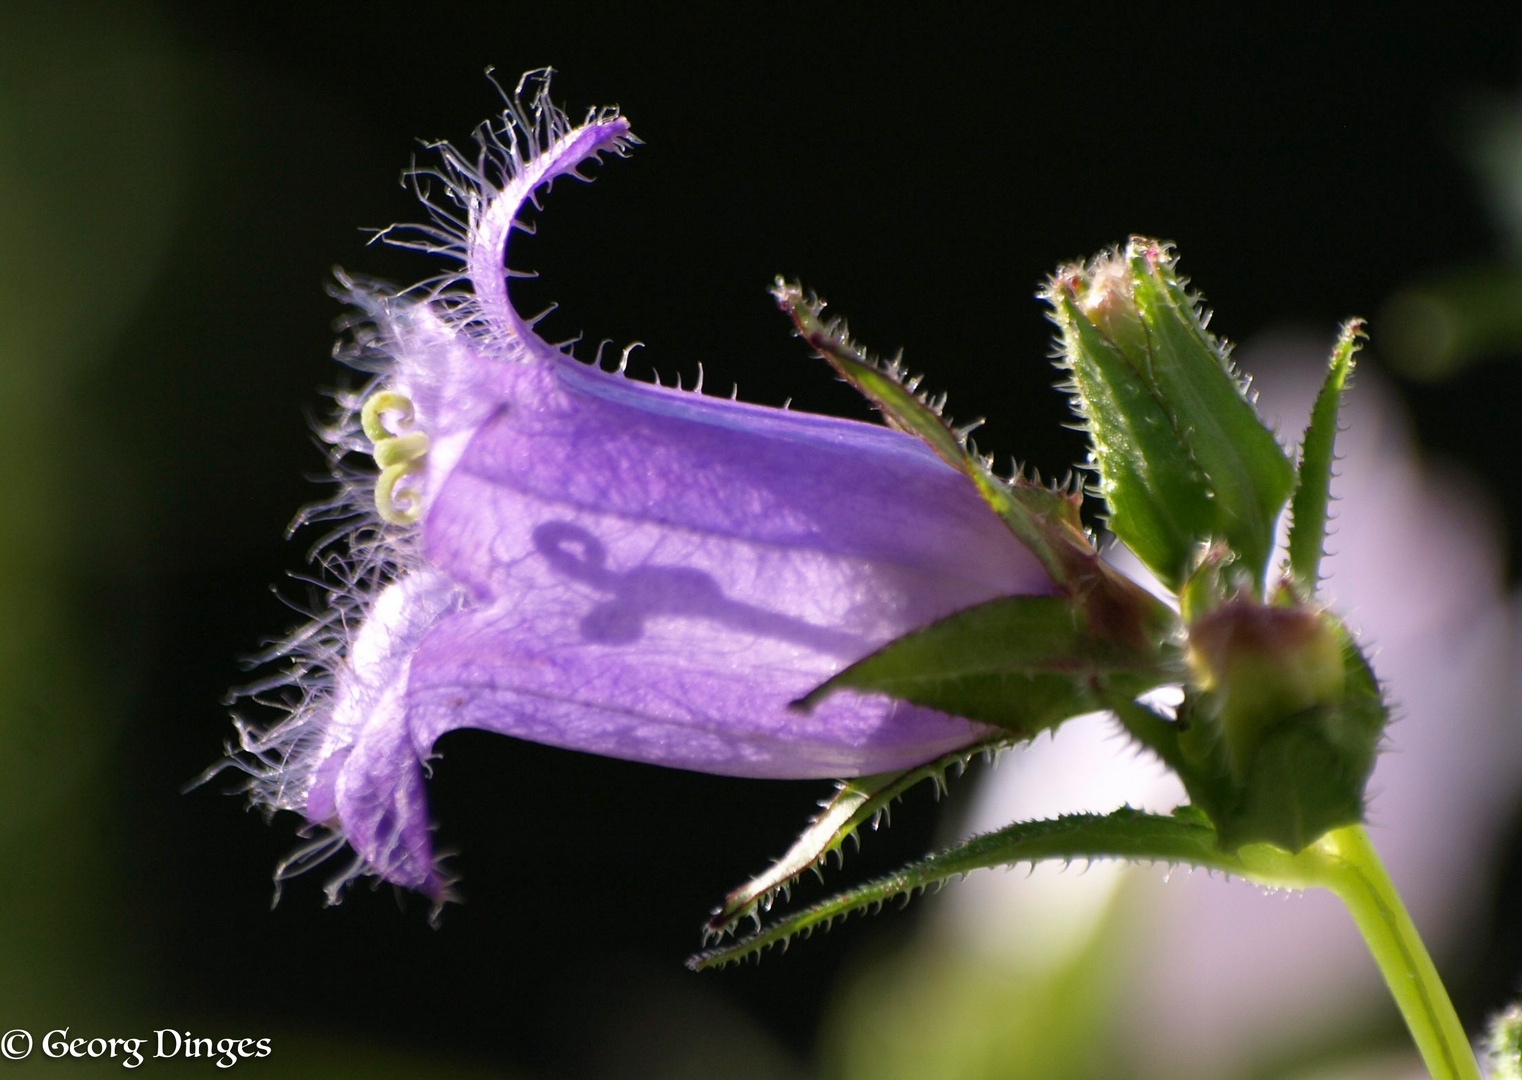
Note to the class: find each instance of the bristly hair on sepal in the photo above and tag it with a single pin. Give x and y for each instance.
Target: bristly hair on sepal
(887, 384)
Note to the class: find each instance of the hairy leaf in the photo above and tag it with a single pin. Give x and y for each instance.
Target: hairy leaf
(1158, 501)
(1182, 455)
(1183, 837)
(1046, 520)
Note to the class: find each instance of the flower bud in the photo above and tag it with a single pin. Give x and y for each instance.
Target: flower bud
(1279, 725)
(1108, 300)
(1263, 664)
(1183, 458)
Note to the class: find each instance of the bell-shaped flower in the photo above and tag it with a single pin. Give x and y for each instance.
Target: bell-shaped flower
(559, 553)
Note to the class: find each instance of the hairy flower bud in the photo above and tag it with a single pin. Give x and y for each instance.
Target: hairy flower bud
(1184, 461)
(1108, 300)
(1280, 725)
(1263, 664)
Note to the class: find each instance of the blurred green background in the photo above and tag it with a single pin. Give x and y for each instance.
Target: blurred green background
(178, 180)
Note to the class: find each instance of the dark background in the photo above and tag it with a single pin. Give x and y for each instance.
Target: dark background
(922, 170)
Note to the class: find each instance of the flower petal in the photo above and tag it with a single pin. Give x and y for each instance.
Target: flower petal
(600, 564)
(660, 574)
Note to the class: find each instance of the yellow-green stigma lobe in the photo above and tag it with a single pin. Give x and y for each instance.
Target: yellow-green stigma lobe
(399, 455)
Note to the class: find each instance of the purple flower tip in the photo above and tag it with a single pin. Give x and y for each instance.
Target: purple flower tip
(559, 553)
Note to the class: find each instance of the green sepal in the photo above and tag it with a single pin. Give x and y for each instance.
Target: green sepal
(855, 802)
(1182, 455)
(1308, 508)
(1023, 663)
(1182, 837)
(1046, 520)
(1304, 775)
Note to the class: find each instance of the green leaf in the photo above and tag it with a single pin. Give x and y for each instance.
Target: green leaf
(1023, 663)
(1159, 734)
(857, 801)
(1045, 520)
(884, 384)
(1183, 837)
(1308, 509)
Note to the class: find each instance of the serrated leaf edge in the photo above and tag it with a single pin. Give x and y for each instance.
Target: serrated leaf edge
(856, 802)
(1311, 502)
(981, 852)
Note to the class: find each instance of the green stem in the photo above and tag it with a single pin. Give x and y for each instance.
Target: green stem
(1345, 862)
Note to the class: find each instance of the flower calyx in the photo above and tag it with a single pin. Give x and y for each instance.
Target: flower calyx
(1263, 663)
(1280, 723)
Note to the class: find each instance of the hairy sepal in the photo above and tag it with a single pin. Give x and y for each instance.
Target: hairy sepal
(1046, 520)
(1308, 508)
(1306, 773)
(857, 801)
(1154, 489)
(1183, 837)
(1023, 663)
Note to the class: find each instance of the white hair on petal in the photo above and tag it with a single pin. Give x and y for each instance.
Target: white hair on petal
(530, 144)
(524, 148)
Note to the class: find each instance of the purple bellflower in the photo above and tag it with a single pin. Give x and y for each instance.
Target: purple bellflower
(559, 553)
